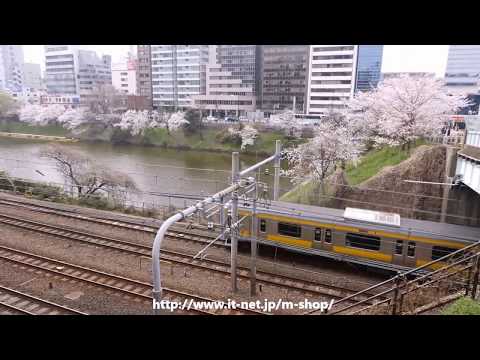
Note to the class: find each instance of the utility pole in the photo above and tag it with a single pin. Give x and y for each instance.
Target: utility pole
(253, 244)
(276, 180)
(450, 158)
(233, 229)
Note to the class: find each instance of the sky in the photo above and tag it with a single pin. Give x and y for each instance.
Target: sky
(396, 58)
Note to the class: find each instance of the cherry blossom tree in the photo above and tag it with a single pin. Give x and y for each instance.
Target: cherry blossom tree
(247, 134)
(136, 122)
(73, 118)
(318, 158)
(40, 115)
(176, 121)
(286, 120)
(404, 109)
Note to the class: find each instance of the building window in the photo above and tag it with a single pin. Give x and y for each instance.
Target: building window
(362, 241)
(289, 230)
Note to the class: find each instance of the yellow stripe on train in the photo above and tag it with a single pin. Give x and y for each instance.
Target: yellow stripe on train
(362, 253)
(447, 243)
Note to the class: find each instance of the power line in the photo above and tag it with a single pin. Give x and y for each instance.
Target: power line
(386, 191)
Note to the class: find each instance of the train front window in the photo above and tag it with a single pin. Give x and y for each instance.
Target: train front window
(289, 230)
(328, 236)
(411, 249)
(440, 251)
(263, 225)
(318, 234)
(399, 247)
(362, 241)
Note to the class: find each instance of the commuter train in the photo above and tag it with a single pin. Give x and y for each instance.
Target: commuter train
(371, 238)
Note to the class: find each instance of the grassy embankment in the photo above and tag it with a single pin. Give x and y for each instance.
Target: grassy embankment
(370, 164)
(19, 127)
(207, 140)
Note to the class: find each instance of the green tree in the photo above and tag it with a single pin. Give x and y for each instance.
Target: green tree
(7, 104)
(194, 122)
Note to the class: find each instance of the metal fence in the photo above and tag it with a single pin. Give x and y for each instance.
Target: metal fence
(419, 290)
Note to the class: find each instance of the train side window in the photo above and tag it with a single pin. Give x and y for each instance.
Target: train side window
(362, 241)
(289, 230)
(318, 234)
(411, 249)
(263, 225)
(399, 247)
(328, 236)
(440, 251)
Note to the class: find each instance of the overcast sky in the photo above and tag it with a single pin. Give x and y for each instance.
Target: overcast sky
(428, 58)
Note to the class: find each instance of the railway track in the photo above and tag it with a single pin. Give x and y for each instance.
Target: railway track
(13, 302)
(176, 257)
(117, 284)
(173, 233)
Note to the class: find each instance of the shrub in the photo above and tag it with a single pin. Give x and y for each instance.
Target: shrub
(463, 306)
(120, 136)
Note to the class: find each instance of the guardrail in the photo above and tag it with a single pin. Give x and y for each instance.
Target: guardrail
(458, 275)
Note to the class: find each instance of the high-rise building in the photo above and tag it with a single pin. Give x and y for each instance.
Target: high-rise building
(61, 69)
(369, 67)
(71, 71)
(284, 77)
(332, 73)
(463, 68)
(32, 76)
(94, 72)
(230, 85)
(124, 76)
(178, 73)
(11, 67)
(144, 73)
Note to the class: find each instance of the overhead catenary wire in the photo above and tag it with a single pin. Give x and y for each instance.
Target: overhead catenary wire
(191, 179)
(224, 181)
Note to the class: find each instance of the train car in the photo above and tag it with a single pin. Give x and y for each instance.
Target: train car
(372, 238)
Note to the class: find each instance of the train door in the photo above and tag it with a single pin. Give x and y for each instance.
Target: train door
(405, 253)
(323, 237)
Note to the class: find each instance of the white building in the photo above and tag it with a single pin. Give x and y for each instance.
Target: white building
(11, 67)
(331, 80)
(61, 69)
(124, 77)
(178, 73)
(32, 76)
(71, 71)
(230, 87)
(463, 68)
(468, 159)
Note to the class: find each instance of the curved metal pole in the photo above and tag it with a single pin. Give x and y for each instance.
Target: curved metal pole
(157, 281)
(157, 243)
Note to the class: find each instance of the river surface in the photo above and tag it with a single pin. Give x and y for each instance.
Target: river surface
(153, 169)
